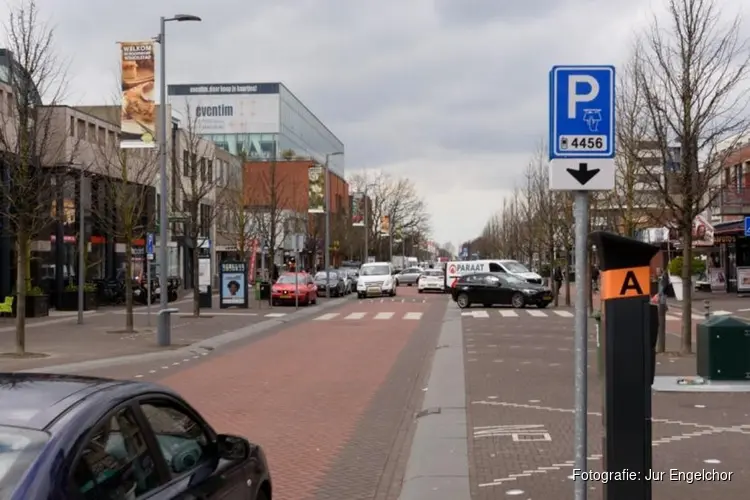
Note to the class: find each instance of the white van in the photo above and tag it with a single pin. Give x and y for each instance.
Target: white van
(376, 278)
(512, 267)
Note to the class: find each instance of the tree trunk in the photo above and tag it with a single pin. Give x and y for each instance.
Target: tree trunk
(686, 343)
(129, 322)
(566, 275)
(22, 261)
(196, 286)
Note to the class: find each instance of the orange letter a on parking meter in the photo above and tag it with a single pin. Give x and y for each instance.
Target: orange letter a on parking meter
(621, 283)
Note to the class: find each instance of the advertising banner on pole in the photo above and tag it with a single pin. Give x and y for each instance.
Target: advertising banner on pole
(385, 225)
(316, 189)
(253, 253)
(138, 115)
(358, 209)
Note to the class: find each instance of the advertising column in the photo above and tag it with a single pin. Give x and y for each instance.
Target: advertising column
(233, 283)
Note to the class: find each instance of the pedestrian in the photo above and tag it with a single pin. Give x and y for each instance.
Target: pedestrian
(595, 278)
(557, 277)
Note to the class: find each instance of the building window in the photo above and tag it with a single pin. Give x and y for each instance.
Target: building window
(72, 126)
(186, 163)
(210, 170)
(81, 130)
(92, 133)
(10, 103)
(203, 170)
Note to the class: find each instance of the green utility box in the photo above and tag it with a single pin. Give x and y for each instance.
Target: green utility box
(724, 349)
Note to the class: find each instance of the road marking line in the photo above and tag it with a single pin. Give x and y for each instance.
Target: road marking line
(326, 317)
(152, 371)
(404, 300)
(537, 314)
(697, 316)
(476, 314)
(384, 315)
(564, 314)
(414, 315)
(356, 316)
(721, 313)
(742, 310)
(673, 318)
(139, 376)
(275, 315)
(509, 314)
(165, 368)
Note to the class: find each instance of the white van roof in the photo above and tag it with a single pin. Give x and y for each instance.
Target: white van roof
(370, 264)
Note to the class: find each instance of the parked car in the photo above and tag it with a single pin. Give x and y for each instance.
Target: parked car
(336, 282)
(431, 280)
(73, 437)
(291, 285)
(489, 289)
(408, 276)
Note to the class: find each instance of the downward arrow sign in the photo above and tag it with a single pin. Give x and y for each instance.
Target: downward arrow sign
(583, 174)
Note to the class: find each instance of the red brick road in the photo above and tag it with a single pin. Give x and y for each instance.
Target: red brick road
(520, 372)
(305, 392)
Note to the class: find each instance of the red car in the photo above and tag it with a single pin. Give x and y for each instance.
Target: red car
(283, 291)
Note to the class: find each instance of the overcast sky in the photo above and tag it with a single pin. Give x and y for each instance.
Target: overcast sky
(450, 93)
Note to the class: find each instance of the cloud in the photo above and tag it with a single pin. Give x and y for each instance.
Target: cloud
(450, 93)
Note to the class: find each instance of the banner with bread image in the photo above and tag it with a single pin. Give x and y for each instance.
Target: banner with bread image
(138, 116)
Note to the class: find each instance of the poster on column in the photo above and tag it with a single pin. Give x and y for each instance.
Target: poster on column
(385, 225)
(315, 189)
(358, 209)
(138, 108)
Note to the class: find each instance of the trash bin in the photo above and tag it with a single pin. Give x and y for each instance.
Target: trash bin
(723, 349)
(205, 300)
(265, 290)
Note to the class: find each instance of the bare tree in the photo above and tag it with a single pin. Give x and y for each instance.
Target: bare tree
(126, 178)
(269, 196)
(691, 72)
(240, 220)
(199, 193)
(32, 137)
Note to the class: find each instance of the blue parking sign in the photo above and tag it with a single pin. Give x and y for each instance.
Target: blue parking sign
(150, 246)
(747, 226)
(582, 127)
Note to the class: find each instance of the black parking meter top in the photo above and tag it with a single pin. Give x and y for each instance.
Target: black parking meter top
(619, 252)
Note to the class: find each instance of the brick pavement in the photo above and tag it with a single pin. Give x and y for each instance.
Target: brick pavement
(101, 335)
(520, 372)
(331, 401)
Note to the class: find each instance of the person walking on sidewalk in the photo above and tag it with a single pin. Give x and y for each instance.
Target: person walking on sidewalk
(557, 277)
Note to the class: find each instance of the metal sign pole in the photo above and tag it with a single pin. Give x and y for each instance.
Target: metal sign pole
(148, 292)
(296, 281)
(581, 338)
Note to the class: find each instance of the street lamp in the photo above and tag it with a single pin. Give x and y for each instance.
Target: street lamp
(327, 254)
(367, 223)
(163, 334)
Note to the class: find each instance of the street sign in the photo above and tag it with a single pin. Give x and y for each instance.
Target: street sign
(747, 226)
(582, 128)
(150, 246)
(179, 217)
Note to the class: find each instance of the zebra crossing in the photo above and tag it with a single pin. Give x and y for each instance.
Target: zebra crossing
(536, 313)
(380, 316)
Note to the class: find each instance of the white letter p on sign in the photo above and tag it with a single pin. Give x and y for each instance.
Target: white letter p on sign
(574, 98)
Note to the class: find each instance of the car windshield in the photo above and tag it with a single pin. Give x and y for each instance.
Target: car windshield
(513, 279)
(322, 275)
(515, 267)
(18, 449)
(375, 271)
(289, 279)
(431, 273)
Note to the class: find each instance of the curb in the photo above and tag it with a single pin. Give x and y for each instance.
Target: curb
(438, 465)
(205, 345)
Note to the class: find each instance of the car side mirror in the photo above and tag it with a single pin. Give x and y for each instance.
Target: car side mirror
(233, 448)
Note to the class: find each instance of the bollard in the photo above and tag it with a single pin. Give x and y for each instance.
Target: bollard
(707, 308)
(629, 340)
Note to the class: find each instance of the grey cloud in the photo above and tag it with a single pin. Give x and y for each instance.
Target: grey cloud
(484, 11)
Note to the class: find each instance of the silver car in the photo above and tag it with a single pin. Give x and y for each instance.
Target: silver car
(409, 276)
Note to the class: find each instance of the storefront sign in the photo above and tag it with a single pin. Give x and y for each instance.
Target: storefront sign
(725, 239)
(233, 284)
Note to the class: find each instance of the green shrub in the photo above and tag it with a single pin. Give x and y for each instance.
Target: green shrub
(675, 266)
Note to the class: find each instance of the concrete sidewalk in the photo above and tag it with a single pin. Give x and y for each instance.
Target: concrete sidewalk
(58, 339)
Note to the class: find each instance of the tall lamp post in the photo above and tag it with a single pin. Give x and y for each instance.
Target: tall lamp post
(327, 254)
(367, 223)
(163, 333)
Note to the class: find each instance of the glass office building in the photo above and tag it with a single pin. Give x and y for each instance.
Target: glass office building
(256, 120)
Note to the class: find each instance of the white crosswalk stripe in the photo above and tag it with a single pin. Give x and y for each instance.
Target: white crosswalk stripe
(673, 318)
(410, 316)
(537, 314)
(508, 314)
(564, 314)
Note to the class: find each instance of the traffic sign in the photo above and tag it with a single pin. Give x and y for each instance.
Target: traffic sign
(747, 226)
(150, 246)
(582, 128)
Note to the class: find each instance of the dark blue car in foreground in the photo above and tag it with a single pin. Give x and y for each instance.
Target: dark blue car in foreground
(71, 437)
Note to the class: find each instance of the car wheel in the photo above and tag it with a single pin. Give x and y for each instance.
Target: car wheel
(420, 291)
(542, 305)
(518, 301)
(360, 296)
(463, 301)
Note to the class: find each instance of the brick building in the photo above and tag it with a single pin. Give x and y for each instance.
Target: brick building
(283, 185)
